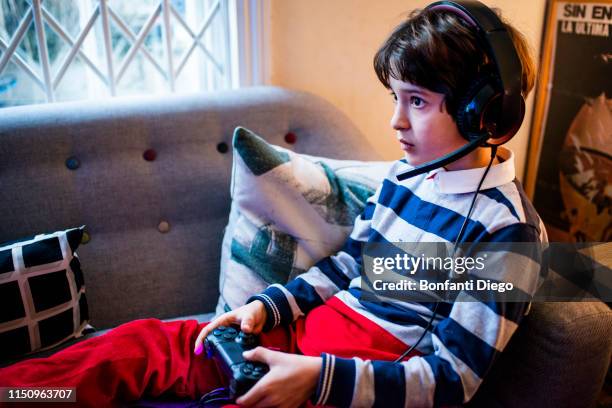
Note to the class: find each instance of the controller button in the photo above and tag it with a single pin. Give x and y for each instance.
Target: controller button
(246, 370)
(249, 366)
(228, 336)
(221, 328)
(259, 369)
(217, 332)
(232, 330)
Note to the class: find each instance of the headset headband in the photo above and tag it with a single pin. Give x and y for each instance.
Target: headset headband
(499, 48)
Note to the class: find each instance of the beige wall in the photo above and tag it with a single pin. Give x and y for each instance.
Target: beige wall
(326, 47)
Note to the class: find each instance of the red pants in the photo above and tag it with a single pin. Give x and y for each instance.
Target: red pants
(151, 358)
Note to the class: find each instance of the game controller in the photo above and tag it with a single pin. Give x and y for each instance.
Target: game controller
(225, 345)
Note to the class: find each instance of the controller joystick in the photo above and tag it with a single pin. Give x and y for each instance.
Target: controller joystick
(247, 340)
(226, 345)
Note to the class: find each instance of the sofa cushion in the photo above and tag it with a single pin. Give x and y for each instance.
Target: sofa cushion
(557, 358)
(288, 211)
(42, 292)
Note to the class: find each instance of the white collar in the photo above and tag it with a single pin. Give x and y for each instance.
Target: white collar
(466, 181)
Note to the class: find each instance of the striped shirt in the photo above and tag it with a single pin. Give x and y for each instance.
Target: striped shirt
(465, 337)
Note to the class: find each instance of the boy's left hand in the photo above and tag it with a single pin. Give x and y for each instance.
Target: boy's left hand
(291, 381)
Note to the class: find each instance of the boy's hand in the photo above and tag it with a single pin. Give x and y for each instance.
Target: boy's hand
(291, 381)
(251, 318)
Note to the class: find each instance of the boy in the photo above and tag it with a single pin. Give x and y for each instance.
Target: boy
(426, 63)
(346, 345)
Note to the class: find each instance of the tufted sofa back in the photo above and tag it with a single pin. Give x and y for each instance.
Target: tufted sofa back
(155, 226)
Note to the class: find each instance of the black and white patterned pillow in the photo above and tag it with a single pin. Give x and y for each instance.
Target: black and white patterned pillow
(42, 293)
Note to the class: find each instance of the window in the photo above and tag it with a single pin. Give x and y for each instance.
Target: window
(57, 50)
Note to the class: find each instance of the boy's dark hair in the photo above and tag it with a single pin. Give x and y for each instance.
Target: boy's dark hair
(437, 50)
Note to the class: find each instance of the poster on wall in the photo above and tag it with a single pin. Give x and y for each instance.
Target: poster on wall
(569, 173)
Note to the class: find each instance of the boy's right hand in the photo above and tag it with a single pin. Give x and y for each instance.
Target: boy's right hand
(251, 318)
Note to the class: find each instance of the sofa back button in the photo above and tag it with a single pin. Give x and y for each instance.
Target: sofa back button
(73, 163)
(149, 155)
(290, 138)
(163, 227)
(222, 147)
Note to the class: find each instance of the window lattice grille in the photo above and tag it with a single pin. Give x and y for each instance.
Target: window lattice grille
(174, 45)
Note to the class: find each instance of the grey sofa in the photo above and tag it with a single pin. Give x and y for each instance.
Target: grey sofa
(156, 226)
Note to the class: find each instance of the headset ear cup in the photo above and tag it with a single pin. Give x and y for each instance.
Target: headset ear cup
(506, 134)
(473, 105)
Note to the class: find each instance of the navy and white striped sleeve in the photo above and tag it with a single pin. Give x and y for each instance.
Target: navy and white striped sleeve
(464, 347)
(284, 304)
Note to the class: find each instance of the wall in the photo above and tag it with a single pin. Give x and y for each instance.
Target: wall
(326, 47)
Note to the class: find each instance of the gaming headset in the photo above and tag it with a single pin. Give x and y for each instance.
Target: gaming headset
(492, 109)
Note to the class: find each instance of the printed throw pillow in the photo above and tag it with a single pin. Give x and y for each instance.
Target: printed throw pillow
(288, 211)
(42, 294)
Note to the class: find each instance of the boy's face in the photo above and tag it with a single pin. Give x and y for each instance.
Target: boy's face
(424, 128)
